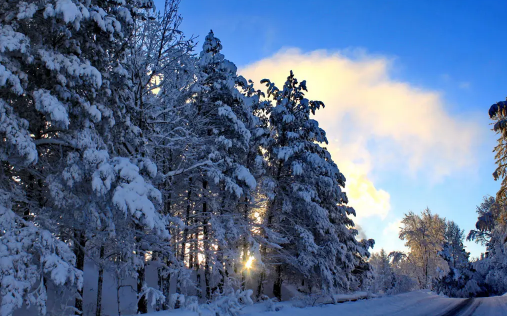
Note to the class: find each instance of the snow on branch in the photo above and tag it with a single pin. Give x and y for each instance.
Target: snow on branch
(183, 170)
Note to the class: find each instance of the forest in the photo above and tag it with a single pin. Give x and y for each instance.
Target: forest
(140, 172)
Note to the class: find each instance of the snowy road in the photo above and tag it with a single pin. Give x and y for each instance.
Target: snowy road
(477, 306)
(486, 306)
(420, 303)
(417, 303)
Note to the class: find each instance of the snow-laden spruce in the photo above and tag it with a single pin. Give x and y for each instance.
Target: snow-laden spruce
(315, 243)
(491, 231)
(217, 172)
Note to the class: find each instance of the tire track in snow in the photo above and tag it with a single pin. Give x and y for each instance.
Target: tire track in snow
(459, 308)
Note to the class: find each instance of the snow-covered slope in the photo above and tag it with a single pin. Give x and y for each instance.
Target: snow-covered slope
(417, 303)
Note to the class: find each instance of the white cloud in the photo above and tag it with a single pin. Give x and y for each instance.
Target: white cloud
(390, 237)
(393, 227)
(373, 122)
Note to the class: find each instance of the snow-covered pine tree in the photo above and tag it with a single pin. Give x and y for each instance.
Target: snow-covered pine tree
(498, 113)
(493, 267)
(383, 273)
(160, 69)
(308, 234)
(454, 237)
(66, 107)
(253, 205)
(491, 231)
(492, 222)
(461, 280)
(218, 119)
(490, 213)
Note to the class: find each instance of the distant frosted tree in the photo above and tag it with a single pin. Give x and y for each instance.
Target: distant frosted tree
(461, 279)
(424, 235)
(383, 274)
(454, 237)
(490, 213)
(404, 279)
(491, 231)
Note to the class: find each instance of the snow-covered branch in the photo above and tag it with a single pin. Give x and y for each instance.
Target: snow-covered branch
(184, 170)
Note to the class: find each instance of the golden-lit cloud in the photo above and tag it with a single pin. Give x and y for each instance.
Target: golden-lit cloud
(373, 122)
(362, 194)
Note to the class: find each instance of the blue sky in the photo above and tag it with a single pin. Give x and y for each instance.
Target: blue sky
(451, 53)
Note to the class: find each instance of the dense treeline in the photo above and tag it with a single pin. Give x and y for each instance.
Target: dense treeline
(437, 259)
(123, 148)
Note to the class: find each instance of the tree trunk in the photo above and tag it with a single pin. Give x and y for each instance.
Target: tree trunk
(165, 280)
(198, 277)
(193, 250)
(98, 310)
(245, 244)
(118, 287)
(197, 264)
(260, 285)
(142, 304)
(426, 267)
(221, 269)
(79, 251)
(262, 276)
(185, 231)
(187, 223)
(207, 269)
(277, 286)
(164, 283)
(221, 261)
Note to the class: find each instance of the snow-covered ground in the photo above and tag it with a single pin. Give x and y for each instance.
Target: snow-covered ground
(413, 304)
